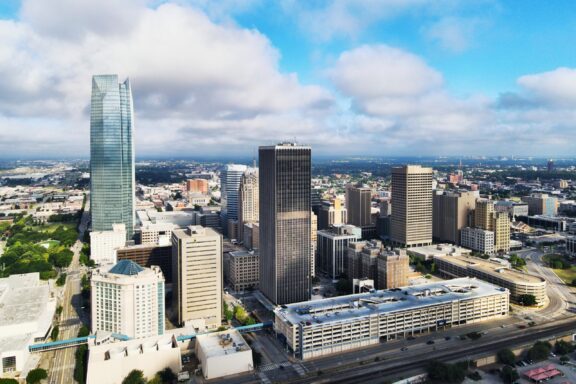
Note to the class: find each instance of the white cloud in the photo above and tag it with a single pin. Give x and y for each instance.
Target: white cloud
(557, 87)
(323, 21)
(453, 33)
(192, 78)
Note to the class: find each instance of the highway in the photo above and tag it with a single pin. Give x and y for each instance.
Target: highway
(62, 361)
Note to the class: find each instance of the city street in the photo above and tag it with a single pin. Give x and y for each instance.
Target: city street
(61, 362)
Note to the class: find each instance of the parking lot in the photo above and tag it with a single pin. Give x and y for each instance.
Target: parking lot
(569, 372)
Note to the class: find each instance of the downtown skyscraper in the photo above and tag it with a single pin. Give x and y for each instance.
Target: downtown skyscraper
(111, 154)
(285, 226)
(229, 186)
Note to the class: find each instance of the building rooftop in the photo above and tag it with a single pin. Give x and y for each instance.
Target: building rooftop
(222, 343)
(439, 250)
(493, 268)
(126, 267)
(344, 308)
(243, 253)
(22, 299)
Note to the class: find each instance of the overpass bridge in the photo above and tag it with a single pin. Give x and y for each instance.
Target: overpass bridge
(74, 342)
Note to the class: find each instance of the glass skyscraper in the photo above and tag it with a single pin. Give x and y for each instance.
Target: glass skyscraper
(111, 154)
(285, 222)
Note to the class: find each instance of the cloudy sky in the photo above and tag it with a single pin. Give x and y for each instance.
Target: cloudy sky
(219, 78)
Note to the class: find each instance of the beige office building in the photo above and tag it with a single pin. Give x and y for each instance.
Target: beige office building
(483, 214)
(501, 226)
(393, 269)
(485, 217)
(248, 200)
(197, 277)
(244, 270)
(451, 213)
(411, 220)
(332, 213)
(358, 204)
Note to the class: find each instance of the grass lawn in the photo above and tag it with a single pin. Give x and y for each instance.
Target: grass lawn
(566, 274)
(49, 228)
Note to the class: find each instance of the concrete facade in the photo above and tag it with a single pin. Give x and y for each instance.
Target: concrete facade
(197, 277)
(103, 244)
(223, 354)
(451, 213)
(343, 323)
(128, 299)
(411, 220)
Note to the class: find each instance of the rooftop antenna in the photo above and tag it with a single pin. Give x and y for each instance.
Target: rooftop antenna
(254, 158)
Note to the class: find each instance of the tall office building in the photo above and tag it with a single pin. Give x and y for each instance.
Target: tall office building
(128, 299)
(451, 213)
(411, 220)
(358, 204)
(501, 232)
(248, 196)
(197, 277)
(541, 204)
(393, 269)
(285, 228)
(332, 212)
(484, 214)
(229, 187)
(333, 248)
(111, 154)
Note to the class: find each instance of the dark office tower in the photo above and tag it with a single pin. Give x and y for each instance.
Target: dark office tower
(111, 154)
(358, 200)
(285, 228)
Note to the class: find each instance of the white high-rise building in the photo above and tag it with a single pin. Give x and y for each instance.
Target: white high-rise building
(128, 299)
(103, 244)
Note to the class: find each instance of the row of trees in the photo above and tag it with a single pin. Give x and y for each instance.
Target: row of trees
(166, 376)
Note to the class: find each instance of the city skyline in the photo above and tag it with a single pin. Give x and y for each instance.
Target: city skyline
(374, 78)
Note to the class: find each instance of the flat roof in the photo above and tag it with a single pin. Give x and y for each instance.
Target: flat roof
(243, 253)
(22, 299)
(492, 268)
(222, 343)
(349, 307)
(438, 249)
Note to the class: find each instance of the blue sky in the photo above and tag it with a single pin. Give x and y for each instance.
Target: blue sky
(394, 77)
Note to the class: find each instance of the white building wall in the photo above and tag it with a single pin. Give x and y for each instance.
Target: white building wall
(103, 244)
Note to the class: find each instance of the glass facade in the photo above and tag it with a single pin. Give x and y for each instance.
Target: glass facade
(111, 154)
(285, 176)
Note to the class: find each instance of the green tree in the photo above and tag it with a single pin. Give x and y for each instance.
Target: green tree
(564, 359)
(527, 300)
(35, 376)
(439, 372)
(8, 381)
(134, 377)
(509, 374)
(61, 280)
(506, 356)
(167, 376)
(83, 331)
(55, 332)
(563, 347)
(80, 364)
(540, 351)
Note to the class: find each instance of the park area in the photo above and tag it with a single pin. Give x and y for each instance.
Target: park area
(42, 248)
(562, 267)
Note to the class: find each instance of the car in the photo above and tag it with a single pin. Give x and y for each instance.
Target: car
(410, 338)
(448, 338)
(430, 342)
(404, 348)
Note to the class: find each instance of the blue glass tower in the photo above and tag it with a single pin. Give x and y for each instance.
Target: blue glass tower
(111, 154)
